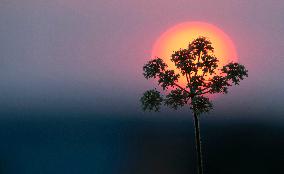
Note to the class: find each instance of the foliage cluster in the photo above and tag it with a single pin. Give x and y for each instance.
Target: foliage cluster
(199, 66)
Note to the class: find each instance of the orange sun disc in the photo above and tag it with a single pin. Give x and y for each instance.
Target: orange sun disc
(180, 35)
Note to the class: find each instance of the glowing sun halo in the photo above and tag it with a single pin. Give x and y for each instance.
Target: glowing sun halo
(180, 35)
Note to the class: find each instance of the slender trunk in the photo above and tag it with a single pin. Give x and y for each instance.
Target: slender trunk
(198, 144)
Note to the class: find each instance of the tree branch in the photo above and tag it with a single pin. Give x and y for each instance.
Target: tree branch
(190, 94)
(181, 87)
(187, 79)
(204, 92)
(198, 60)
(205, 88)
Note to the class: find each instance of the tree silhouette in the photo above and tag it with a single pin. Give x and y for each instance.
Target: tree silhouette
(199, 66)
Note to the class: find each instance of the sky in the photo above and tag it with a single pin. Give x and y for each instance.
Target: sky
(68, 57)
(71, 79)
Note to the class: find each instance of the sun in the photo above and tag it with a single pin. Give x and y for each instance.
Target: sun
(180, 35)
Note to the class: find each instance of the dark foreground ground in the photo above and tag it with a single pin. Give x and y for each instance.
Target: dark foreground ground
(138, 146)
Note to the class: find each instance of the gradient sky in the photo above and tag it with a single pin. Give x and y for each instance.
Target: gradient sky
(68, 56)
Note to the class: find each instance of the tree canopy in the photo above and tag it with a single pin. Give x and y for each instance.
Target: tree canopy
(199, 66)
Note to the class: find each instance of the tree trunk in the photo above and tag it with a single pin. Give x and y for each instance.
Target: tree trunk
(198, 144)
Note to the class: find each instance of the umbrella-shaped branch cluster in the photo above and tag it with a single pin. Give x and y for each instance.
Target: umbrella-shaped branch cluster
(199, 66)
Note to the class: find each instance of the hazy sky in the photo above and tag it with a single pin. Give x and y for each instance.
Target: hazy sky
(71, 56)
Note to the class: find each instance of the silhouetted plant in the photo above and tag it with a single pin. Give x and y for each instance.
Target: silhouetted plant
(199, 66)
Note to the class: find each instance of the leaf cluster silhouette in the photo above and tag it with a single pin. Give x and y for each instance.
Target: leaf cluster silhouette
(199, 66)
